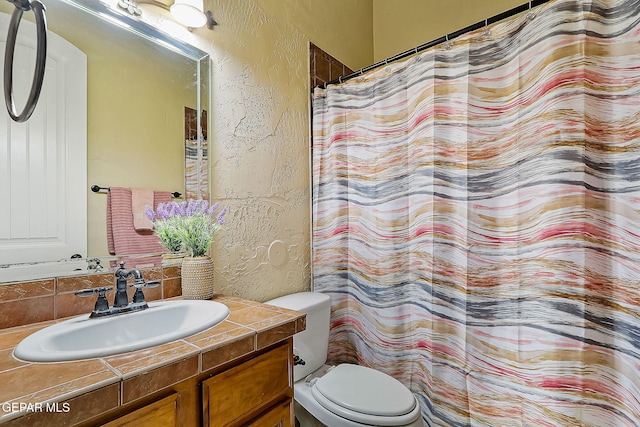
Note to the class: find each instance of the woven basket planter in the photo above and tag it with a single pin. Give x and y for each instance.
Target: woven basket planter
(197, 277)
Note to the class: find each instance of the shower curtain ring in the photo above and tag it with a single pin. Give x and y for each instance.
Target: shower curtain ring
(447, 46)
(486, 31)
(530, 14)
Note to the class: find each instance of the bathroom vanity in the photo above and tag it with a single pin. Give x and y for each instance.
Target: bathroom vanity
(238, 372)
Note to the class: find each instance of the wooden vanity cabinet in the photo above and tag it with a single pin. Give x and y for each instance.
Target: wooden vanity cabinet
(258, 392)
(255, 390)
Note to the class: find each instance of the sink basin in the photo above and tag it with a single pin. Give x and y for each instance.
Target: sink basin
(83, 338)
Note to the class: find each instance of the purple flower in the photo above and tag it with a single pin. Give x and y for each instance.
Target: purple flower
(212, 208)
(182, 208)
(174, 209)
(148, 211)
(192, 207)
(221, 216)
(163, 210)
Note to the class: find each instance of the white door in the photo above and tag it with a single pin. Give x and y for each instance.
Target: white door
(43, 162)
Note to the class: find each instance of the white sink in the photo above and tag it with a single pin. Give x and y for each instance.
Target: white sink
(83, 338)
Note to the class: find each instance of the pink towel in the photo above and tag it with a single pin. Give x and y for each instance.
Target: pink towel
(140, 199)
(122, 237)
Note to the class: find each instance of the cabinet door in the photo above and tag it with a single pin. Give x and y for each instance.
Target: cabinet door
(279, 416)
(163, 413)
(240, 393)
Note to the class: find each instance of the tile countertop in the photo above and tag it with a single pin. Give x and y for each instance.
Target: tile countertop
(251, 326)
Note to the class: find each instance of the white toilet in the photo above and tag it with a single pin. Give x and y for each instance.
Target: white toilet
(345, 395)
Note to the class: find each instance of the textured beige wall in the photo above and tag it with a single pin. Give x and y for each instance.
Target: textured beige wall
(402, 25)
(344, 28)
(260, 131)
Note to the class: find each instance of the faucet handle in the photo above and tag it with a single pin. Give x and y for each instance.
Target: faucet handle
(102, 305)
(91, 291)
(141, 283)
(138, 296)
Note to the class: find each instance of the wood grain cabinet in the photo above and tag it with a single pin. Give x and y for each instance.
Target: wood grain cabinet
(254, 392)
(257, 393)
(279, 416)
(163, 413)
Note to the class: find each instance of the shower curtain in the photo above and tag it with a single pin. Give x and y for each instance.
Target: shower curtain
(476, 220)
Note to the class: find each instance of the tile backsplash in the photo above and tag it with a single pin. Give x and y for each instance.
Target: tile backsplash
(22, 303)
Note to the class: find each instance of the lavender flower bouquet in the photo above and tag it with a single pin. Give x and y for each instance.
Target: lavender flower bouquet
(190, 225)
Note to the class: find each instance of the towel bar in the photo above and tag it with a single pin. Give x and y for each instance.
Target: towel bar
(96, 188)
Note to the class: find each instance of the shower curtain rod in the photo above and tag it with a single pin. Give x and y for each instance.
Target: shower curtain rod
(496, 18)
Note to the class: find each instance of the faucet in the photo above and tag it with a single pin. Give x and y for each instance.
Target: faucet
(121, 299)
(121, 302)
(97, 267)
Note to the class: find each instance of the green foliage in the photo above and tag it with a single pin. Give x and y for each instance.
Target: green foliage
(188, 225)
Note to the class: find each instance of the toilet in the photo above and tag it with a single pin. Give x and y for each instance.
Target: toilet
(345, 395)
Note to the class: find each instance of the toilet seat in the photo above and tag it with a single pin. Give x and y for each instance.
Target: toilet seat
(366, 396)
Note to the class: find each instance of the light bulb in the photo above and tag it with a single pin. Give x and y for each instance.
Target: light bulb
(189, 13)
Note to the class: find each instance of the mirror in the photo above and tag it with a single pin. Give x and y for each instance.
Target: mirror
(139, 84)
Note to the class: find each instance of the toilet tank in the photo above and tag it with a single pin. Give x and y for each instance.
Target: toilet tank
(311, 344)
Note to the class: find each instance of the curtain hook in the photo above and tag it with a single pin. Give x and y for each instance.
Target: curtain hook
(530, 14)
(447, 45)
(486, 31)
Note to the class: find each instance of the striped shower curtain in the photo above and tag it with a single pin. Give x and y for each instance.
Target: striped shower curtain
(476, 220)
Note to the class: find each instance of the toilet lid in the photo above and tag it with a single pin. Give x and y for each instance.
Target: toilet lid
(364, 391)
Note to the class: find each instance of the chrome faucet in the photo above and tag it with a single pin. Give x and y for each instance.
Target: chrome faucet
(121, 302)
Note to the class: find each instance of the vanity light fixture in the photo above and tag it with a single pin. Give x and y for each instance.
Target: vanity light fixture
(189, 13)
